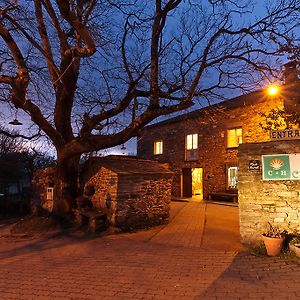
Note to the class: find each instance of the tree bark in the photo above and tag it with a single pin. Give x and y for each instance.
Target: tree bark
(65, 185)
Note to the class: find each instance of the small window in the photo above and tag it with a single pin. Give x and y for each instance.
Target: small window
(192, 141)
(191, 146)
(234, 137)
(158, 147)
(232, 177)
(49, 195)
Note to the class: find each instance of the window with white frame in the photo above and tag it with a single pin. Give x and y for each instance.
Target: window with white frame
(192, 141)
(232, 177)
(191, 146)
(158, 147)
(234, 137)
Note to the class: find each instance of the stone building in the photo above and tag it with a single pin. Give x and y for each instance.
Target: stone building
(202, 146)
(136, 193)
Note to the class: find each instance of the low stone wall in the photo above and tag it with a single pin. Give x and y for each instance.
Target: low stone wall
(260, 202)
(143, 201)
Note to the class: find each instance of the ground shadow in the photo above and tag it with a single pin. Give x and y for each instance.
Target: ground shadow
(262, 277)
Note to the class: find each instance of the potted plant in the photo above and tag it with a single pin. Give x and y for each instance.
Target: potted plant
(273, 240)
(294, 245)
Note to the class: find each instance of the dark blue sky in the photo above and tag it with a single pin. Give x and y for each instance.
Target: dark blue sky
(8, 114)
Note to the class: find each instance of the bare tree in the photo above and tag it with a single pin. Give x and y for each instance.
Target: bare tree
(91, 73)
(17, 160)
(8, 143)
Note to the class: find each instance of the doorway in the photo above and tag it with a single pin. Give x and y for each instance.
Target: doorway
(192, 183)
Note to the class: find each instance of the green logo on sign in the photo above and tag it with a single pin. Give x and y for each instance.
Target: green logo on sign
(276, 167)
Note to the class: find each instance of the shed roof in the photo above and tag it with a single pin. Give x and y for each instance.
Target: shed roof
(129, 165)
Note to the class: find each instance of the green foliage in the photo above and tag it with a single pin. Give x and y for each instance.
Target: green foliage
(274, 232)
(259, 250)
(290, 255)
(295, 241)
(279, 119)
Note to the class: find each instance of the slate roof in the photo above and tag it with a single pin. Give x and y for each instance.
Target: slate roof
(243, 100)
(288, 92)
(128, 165)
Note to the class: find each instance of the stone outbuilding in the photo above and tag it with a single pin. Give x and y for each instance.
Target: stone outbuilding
(135, 192)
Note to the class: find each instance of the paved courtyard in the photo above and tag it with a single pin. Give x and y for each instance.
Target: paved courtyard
(196, 256)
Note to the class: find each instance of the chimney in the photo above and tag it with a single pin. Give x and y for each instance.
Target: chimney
(291, 73)
(292, 87)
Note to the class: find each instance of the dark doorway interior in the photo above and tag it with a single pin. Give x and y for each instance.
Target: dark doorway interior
(187, 182)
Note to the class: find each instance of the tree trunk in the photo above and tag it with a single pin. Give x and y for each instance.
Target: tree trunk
(65, 186)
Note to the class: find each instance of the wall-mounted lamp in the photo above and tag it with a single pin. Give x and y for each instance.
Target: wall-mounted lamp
(273, 90)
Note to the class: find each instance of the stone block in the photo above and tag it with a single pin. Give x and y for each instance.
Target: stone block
(266, 201)
(295, 221)
(279, 220)
(292, 215)
(285, 194)
(281, 215)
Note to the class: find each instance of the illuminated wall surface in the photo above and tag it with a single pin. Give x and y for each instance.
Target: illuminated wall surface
(272, 193)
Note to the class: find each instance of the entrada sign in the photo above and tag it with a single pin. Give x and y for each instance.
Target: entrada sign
(285, 135)
(281, 167)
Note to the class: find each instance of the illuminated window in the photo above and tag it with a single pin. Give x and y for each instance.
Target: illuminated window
(158, 147)
(192, 141)
(232, 177)
(50, 191)
(234, 137)
(191, 144)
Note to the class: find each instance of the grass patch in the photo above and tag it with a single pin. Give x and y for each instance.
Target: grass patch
(286, 253)
(259, 250)
(290, 255)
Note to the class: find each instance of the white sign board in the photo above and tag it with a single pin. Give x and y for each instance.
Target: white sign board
(281, 166)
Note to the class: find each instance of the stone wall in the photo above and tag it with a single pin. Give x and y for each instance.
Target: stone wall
(132, 201)
(42, 179)
(143, 201)
(260, 202)
(211, 125)
(105, 183)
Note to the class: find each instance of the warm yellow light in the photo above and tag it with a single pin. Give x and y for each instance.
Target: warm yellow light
(273, 90)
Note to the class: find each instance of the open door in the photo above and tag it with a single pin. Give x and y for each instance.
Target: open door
(197, 183)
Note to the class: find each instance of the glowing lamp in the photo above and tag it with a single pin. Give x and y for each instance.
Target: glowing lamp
(272, 90)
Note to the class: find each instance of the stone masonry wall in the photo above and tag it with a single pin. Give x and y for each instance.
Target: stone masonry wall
(213, 154)
(143, 201)
(42, 179)
(105, 183)
(132, 201)
(260, 202)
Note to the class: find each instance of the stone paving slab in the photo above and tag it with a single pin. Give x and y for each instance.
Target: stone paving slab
(158, 266)
(186, 230)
